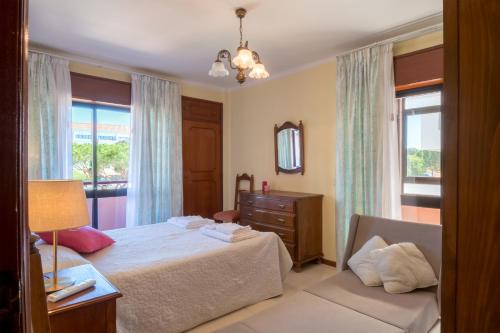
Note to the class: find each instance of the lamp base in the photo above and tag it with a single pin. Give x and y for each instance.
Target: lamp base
(62, 283)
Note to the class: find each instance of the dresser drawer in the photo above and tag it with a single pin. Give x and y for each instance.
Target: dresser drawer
(295, 217)
(278, 204)
(280, 219)
(287, 236)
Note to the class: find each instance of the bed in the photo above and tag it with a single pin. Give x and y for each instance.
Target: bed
(173, 279)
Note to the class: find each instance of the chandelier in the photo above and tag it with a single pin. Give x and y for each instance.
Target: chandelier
(246, 62)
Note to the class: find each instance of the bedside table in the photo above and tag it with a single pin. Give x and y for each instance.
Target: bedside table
(91, 310)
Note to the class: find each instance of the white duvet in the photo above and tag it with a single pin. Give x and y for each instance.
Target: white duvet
(174, 279)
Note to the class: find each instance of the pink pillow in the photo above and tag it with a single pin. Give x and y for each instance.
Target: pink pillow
(82, 240)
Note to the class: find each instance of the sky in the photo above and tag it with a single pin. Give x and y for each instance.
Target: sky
(82, 114)
(424, 131)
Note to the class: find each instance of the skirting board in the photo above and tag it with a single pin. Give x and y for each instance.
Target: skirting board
(328, 262)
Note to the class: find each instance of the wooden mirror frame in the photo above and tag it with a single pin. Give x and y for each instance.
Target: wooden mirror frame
(300, 128)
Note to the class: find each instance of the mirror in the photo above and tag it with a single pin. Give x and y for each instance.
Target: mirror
(289, 148)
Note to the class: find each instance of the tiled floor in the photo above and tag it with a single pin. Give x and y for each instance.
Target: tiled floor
(311, 274)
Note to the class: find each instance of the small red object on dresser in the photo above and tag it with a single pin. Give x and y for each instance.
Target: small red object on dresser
(265, 186)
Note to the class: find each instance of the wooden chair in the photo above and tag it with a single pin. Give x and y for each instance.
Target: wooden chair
(233, 216)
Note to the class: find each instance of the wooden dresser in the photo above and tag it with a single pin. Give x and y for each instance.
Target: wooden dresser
(295, 217)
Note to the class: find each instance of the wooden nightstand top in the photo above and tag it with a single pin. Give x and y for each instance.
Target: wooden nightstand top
(102, 291)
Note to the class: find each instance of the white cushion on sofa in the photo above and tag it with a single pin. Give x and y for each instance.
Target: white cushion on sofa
(402, 268)
(361, 263)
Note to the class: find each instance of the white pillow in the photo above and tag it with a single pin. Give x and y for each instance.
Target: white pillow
(403, 268)
(362, 264)
(66, 257)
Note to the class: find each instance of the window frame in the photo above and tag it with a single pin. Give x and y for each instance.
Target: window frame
(418, 200)
(95, 193)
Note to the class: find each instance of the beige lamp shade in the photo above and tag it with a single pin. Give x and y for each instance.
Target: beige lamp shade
(55, 205)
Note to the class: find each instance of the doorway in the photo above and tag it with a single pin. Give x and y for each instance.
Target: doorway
(202, 156)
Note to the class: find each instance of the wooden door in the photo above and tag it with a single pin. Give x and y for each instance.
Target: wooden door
(471, 167)
(202, 156)
(14, 245)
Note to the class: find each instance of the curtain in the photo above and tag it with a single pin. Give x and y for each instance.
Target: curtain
(367, 175)
(49, 117)
(155, 169)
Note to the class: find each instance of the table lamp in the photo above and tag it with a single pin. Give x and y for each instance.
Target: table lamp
(55, 205)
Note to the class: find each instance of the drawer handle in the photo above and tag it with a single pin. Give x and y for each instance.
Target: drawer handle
(281, 234)
(249, 202)
(281, 220)
(281, 206)
(249, 214)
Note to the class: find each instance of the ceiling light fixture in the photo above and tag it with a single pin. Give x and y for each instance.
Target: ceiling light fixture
(246, 62)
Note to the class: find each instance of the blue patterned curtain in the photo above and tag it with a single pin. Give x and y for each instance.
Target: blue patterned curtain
(49, 117)
(366, 137)
(155, 169)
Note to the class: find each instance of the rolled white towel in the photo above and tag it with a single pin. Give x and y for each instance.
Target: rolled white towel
(229, 238)
(231, 228)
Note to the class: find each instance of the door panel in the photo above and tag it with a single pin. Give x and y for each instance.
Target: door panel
(202, 146)
(202, 156)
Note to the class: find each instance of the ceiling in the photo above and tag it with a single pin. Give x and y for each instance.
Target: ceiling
(180, 38)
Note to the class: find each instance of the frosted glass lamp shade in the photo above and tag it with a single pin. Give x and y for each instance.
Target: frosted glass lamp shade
(218, 69)
(55, 205)
(258, 72)
(244, 58)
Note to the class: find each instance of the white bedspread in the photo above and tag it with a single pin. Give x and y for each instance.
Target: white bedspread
(174, 279)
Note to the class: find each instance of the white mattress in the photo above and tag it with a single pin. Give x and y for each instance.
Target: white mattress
(174, 279)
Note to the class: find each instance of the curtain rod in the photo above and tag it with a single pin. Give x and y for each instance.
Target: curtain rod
(399, 38)
(123, 69)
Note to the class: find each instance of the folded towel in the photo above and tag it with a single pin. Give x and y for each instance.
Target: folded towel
(185, 219)
(229, 238)
(189, 222)
(210, 226)
(231, 228)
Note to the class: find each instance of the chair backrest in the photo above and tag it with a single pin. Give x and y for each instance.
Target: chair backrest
(243, 177)
(427, 237)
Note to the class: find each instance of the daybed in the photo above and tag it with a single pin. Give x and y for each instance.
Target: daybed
(343, 303)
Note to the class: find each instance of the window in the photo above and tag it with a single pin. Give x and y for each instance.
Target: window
(100, 159)
(421, 147)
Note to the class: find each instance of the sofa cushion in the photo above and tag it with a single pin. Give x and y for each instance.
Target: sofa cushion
(362, 264)
(403, 268)
(427, 237)
(412, 312)
(304, 312)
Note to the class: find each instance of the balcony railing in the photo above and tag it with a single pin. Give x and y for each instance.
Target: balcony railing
(107, 203)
